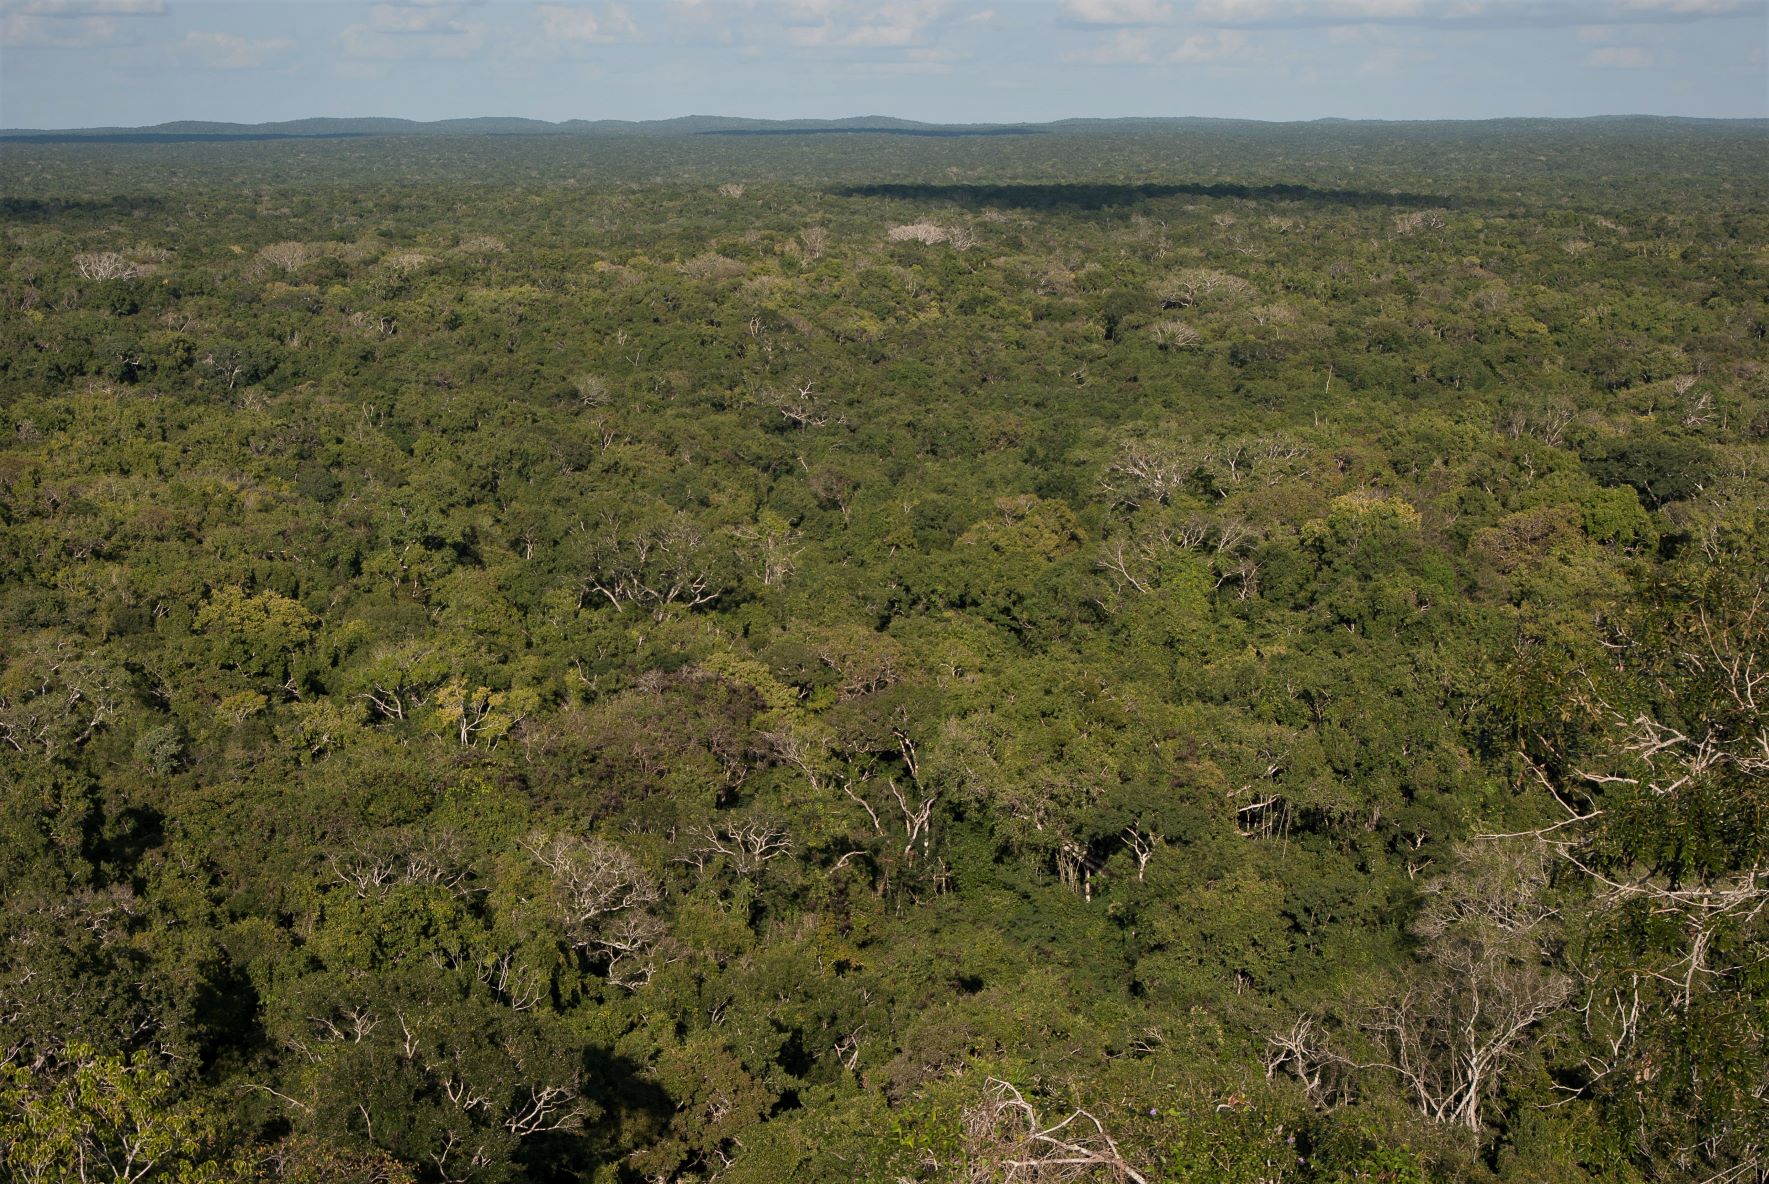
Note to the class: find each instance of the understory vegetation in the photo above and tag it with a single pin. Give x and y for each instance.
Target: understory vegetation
(1146, 652)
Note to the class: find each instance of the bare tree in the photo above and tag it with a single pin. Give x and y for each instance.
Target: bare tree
(651, 566)
(1150, 470)
(1118, 557)
(288, 257)
(592, 390)
(1141, 846)
(594, 878)
(801, 406)
(1174, 333)
(1414, 221)
(519, 987)
(834, 487)
(1007, 1142)
(1196, 285)
(1657, 818)
(815, 756)
(1543, 419)
(107, 265)
(603, 897)
(746, 847)
(1459, 1019)
(1489, 937)
(926, 233)
(398, 857)
(56, 698)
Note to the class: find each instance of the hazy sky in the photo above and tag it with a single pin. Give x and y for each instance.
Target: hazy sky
(70, 63)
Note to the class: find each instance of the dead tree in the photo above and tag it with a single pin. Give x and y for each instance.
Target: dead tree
(1006, 1142)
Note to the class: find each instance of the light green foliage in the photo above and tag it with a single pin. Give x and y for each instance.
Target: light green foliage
(105, 1118)
(254, 632)
(478, 715)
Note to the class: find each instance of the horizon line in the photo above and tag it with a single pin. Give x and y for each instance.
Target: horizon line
(828, 119)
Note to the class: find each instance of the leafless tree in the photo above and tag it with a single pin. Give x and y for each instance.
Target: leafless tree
(520, 987)
(746, 847)
(1141, 847)
(1196, 285)
(651, 566)
(1669, 763)
(228, 362)
(776, 548)
(55, 697)
(914, 803)
(1075, 867)
(594, 878)
(1452, 1026)
(926, 233)
(1118, 557)
(432, 858)
(801, 406)
(1150, 471)
(482, 244)
(629, 943)
(1414, 221)
(1007, 1142)
(1546, 420)
(1489, 934)
(1243, 572)
(546, 1108)
(592, 390)
(603, 898)
(106, 265)
(1301, 1051)
(1698, 406)
(404, 263)
(833, 487)
(288, 257)
(1174, 333)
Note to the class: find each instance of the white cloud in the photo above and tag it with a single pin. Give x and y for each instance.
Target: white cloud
(1148, 47)
(412, 32)
(1219, 45)
(1262, 12)
(893, 24)
(1618, 57)
(1696, 8)
(580, 23)
(22, 29)
(688, 22)
(1388, 60)
(926, 60)
(80, 9)
(225, 51)
(1126, 47)
(1118, 12)
(72, 24)
(410, 18)
(1467, 13)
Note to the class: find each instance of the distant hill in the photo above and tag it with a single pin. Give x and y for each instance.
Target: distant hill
(185, 131)
(196, 131)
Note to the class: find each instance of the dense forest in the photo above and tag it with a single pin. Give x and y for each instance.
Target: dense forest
(1188, 652)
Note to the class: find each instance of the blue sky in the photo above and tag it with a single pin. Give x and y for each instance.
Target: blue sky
(72, 63)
